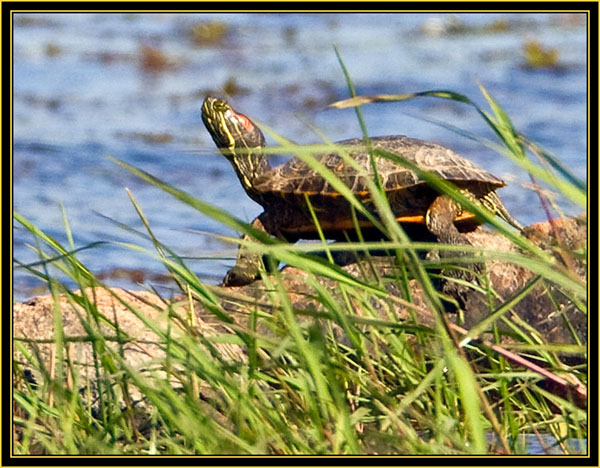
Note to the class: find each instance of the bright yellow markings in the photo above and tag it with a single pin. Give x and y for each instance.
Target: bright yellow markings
(420, 219)
(226, 131)
(246, 182)
(491, 202)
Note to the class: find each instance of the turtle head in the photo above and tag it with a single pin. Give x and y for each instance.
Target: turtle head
(232, 132)
(239, 140)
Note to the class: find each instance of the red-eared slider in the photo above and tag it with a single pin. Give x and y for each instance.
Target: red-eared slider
(282, 190)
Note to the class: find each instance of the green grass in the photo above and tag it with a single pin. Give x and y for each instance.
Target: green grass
(346, 375)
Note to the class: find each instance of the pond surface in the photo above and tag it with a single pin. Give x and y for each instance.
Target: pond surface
(87, 86)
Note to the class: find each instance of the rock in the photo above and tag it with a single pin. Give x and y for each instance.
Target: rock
(33, 320)
(538, 308)
(33, 325)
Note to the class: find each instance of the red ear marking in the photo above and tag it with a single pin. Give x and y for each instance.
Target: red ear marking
(245, 121)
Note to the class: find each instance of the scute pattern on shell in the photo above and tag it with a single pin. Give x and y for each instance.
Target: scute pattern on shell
(296, 178)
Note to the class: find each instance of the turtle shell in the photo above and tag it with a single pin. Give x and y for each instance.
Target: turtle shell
(409, 196)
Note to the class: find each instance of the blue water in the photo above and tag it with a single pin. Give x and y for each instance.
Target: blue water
(542, 444)
(81, 94)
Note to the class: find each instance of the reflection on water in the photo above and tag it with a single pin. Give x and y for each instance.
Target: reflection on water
(131, 85)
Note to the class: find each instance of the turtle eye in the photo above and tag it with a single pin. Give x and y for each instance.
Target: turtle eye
(220, 106)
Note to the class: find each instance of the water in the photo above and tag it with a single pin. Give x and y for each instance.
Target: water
(82, 93)
(542, 444)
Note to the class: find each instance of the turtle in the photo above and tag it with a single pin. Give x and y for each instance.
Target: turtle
(283, 191)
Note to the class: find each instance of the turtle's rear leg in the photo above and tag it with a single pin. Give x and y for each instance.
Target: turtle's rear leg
(247, 263)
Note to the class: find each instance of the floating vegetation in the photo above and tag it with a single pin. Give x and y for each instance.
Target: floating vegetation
(51, 104)
(154, 60)
(109, 57)
(148, 58)
(538, 56)
(500, 25)
(290, 35)
(52, 50)
(453, 25)
(569, 20)
(232, 88)
(135, 275)
(147, 137)
(209, 33)
(32, 20)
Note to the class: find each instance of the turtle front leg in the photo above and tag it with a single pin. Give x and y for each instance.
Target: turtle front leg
(440, 221)
(247, 263)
